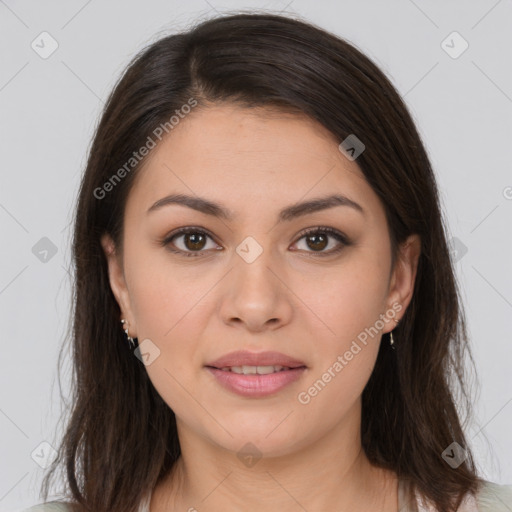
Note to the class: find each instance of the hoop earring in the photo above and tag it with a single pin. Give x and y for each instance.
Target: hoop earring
(131, 341)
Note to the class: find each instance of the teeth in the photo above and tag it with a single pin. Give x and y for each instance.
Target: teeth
(252, 370)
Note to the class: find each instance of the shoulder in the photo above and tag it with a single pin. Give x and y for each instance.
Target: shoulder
(493, 497)
(51, 506)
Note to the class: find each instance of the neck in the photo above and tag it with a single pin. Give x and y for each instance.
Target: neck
(331, 473)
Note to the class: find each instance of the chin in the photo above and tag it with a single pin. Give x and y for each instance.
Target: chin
(268, 438)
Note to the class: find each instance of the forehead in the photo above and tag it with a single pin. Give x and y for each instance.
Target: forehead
(229, 132)
(248, 155)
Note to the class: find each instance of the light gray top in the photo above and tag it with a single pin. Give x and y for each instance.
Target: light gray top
(491, 498)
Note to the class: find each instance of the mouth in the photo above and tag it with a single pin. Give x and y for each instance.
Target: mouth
(256, 370)
(248, 362)
(255, 374)
(256, 381)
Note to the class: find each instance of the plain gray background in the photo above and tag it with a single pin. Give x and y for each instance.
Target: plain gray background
(460, 100)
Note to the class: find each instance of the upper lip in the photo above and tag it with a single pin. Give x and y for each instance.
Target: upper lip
(246, 358)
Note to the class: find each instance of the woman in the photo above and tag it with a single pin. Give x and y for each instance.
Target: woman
(266, 314)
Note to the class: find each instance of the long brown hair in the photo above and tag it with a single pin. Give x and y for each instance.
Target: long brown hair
(120, 438)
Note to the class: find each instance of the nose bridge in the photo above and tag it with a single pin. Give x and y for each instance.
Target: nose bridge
(254, 294)
(255, 261)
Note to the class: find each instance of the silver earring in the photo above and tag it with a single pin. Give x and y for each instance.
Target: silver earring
(131, 341)
(391, 339)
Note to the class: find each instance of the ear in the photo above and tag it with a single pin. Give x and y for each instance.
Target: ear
(117, 283)
(403, 278)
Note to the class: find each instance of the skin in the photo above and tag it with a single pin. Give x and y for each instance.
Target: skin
(195, 309)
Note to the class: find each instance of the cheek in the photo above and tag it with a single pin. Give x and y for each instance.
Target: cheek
(162, 294)
(333, 392)
(172, 306)
(345, 354)
(349, 304)
(351, 298)
(168, 308)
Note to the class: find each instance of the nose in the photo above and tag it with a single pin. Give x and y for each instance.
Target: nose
(256, 296)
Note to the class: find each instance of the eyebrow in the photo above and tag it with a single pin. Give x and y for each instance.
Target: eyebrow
(286, 214)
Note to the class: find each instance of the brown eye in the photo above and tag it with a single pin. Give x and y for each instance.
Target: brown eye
(317, 240)
(194, 241)
(189, 242)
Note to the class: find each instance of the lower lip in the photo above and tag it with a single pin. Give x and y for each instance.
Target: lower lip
(256, 385)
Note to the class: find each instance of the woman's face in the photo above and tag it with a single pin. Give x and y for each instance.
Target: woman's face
(253, 281)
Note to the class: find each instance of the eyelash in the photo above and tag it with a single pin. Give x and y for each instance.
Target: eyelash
(344, 241)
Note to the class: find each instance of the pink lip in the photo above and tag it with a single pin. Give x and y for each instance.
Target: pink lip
(246, 358)
(256, 385)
